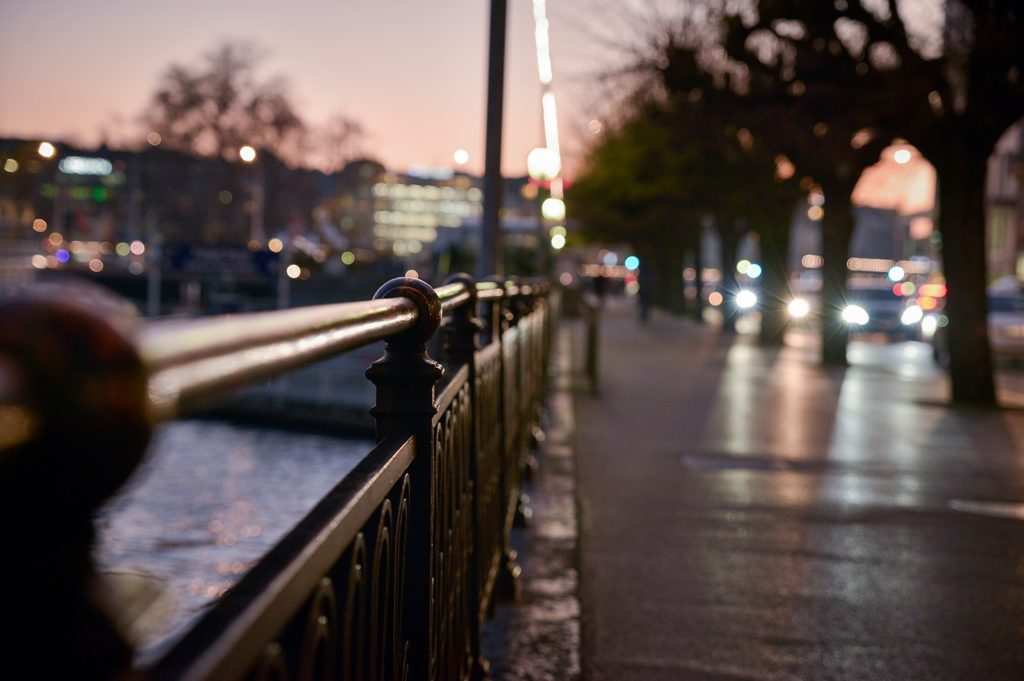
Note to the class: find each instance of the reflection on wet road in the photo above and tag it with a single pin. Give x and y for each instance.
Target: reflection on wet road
(758, 517)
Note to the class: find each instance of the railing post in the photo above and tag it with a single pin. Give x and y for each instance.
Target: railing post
(405, 377)
(458, 337)
(73, 427)
(520, 310)
(593, 320)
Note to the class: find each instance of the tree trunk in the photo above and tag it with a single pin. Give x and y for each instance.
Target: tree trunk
(775, 282)
(962, 173)
(668, 285)
(836, 232)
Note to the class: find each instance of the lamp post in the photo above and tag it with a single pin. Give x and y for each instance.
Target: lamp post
(48, 152)
(543, 164)
(491, 259)
(256, 231)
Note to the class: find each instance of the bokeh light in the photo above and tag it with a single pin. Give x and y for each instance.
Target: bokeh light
(798, 308)
(553, 209)
(746, 299)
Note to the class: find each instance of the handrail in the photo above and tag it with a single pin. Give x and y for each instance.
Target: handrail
(197, 359)
(82, 382)
(489, 291)
(190, 361)
(453, 295)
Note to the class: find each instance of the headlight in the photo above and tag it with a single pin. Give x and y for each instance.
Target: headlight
(929, 324)
(798, 308)
(746, 299)
(912, 315)
(855, 315)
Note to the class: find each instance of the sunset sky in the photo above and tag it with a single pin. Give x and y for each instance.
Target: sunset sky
(412, 72)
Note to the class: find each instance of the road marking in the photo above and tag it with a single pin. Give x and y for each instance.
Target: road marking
(995, 509)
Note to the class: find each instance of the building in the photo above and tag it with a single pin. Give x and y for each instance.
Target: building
(1004, 215)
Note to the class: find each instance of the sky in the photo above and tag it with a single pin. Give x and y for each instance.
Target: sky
(412, 72)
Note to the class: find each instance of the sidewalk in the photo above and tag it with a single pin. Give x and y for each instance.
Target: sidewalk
(538, 639)
(745, 514)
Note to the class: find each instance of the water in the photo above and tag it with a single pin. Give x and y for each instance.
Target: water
(208, 502)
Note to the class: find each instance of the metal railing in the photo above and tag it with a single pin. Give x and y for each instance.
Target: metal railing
(392, 573)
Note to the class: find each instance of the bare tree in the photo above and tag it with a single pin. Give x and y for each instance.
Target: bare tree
(336, 142)
(951, 89)
(220, 104)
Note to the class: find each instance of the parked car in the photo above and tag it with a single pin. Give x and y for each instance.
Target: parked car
(1005, 329)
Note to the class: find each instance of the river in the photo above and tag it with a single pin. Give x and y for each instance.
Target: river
(210, 499)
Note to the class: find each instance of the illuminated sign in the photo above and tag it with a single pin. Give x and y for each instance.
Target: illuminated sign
(430, 172)
(84, 165)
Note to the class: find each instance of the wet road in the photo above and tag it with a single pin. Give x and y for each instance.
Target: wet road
(211, 499)
(747, 515)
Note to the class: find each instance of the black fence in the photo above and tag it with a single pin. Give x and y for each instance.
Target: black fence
(392, 573)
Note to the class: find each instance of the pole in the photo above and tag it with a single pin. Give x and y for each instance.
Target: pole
(283, 286)
(256, 192)
(153, 257)
(491, 260)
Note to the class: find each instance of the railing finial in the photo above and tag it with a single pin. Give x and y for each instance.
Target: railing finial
(405, 375)
(427, 303)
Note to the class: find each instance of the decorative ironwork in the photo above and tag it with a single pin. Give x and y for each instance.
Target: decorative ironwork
(488, 485)
(390, 576)
(452, 615)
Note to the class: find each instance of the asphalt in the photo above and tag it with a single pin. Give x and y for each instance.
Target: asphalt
(747, 515)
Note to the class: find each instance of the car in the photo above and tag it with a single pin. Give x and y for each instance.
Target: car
(1005, 329)
(879, 309)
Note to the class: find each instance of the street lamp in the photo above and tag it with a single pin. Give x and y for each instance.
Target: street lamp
(48, 151)
(553, 209)
(543, 163)
(248, 156)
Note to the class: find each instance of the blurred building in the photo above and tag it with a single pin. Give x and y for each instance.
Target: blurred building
(1005, 205)
(423, 209)
(85, 209)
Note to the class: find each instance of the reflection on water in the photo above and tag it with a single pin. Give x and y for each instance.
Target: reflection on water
(210, 499)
